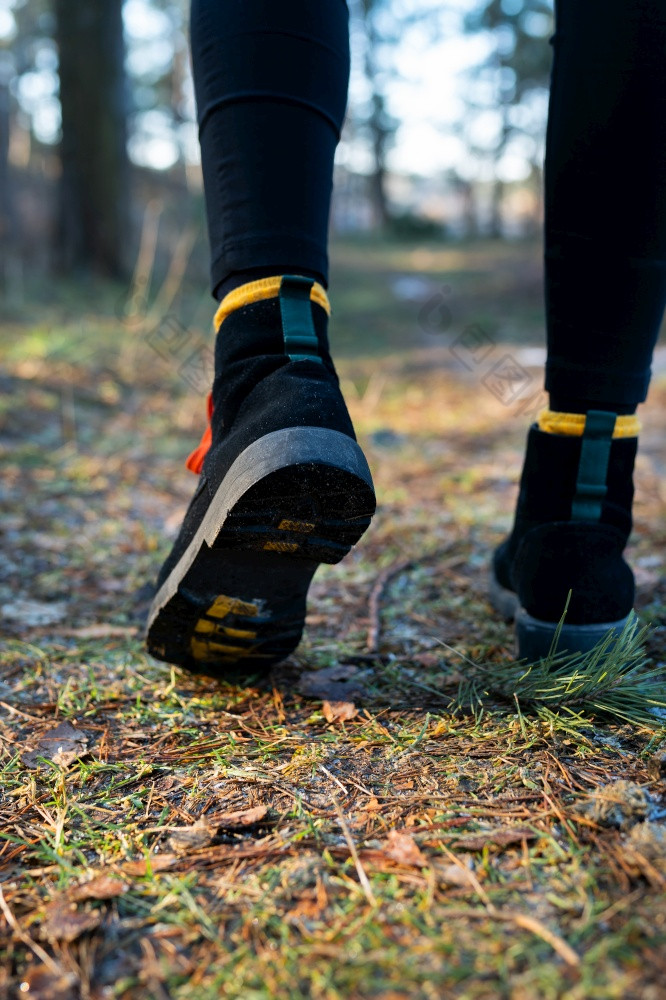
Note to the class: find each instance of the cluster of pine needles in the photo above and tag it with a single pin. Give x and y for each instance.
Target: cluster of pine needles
(614, 679)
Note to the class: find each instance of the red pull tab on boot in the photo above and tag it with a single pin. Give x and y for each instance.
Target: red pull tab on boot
(195, 461)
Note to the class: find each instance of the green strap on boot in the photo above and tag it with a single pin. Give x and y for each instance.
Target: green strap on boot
(593, 465)
(300, 338)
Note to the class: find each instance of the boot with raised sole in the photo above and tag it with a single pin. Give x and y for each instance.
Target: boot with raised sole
(572, 523)
(283, 487)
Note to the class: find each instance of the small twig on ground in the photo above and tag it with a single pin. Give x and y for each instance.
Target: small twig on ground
(374, 604)
(362, 877)
(333, 778)
(385, 577)
(473, 880)
(37, 949)
(17, 711)
(558, 944)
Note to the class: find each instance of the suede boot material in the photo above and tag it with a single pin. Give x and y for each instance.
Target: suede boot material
(548, 554)
(585, 558)
(249, 347)
(257, 390)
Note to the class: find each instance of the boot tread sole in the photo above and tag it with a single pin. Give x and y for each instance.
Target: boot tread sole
(291, 500)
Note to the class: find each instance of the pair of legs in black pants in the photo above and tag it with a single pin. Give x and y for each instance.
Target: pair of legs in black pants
(271, 86)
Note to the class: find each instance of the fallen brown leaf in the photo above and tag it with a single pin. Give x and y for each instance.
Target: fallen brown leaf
(339, 683)
(455, 875)
(101, 887)
(65, 923)
(311, 904)
(501, 838)
(44, 984)
(189, 838)
(246, 817)
(62, 745)
(203, 832)
(156, 863)
(402, 847)
(339, 711)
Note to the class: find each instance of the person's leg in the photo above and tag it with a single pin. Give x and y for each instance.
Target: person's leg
(271, 88)
(605, 187)
(283, 484)
(605, 269)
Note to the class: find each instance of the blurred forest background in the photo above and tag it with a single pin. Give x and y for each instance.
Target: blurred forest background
(443, 139)
(406, 846)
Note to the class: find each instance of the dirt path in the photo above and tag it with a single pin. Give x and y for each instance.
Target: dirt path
(334, 829)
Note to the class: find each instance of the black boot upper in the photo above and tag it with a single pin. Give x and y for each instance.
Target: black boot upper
(259, 389)
(549, 552)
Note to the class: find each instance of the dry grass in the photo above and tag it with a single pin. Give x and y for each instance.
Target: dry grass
(404, 851)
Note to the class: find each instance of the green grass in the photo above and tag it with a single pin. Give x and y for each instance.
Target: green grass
(615, 679)
(534, 796)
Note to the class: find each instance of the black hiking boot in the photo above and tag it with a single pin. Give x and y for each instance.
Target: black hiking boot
(572, 522)
(283, 487)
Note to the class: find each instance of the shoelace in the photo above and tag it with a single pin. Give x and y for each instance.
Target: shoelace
(196, 459)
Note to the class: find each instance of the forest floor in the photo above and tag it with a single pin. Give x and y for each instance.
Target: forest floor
(339, 828)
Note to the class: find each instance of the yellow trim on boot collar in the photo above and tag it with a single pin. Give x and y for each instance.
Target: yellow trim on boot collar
(573, 424)
(256, 291)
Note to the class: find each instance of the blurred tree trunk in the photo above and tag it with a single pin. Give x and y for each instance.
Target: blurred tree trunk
(506, 81)
(380, 137)
(5, 197)
(499, 187)
(93, 215)
(383, 27)
(496, 228)
(380, 125)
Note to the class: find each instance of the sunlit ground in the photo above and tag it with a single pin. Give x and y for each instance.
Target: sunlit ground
(396, 848)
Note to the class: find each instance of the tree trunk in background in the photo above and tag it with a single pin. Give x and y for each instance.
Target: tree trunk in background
(93, 216)
(5, 196)
(498, 189)
(380, 126)
(496, 227)
(380, 137)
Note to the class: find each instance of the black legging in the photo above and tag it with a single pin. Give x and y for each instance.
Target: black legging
(271, 85)
(605, 235)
